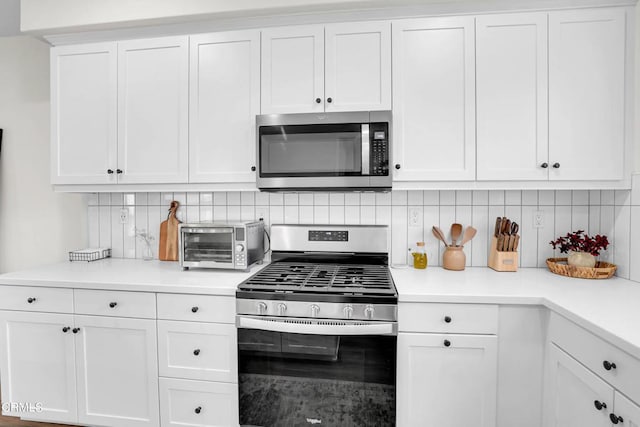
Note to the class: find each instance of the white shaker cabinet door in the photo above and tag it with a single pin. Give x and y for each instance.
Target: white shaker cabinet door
(84, 114)
(153, 110)
(434, 99)
(293, 70)
(117, 367)
(626, 412)
(37, 363)
(358, 66)
(586, 94)
(571, 393)
(225, 99)
(446, 380)
(511, 91)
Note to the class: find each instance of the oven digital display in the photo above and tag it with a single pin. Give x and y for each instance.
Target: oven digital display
(328, 236)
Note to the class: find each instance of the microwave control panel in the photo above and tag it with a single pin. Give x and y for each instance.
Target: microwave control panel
(379, 149)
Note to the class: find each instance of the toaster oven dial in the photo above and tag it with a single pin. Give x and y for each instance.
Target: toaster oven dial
(239, 248)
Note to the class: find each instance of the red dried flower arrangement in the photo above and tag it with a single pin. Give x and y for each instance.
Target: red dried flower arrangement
(579, 241)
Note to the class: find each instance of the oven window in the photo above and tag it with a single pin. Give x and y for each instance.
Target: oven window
(215, 247)
(311, 150)
(297, 379)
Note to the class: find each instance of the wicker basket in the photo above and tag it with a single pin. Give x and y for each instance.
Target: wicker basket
(602, 270)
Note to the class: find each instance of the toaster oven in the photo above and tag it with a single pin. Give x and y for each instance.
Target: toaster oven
(233, 246)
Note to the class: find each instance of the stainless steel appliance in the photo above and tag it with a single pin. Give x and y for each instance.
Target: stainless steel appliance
(317, 330)
(234, 246)
(324, 151)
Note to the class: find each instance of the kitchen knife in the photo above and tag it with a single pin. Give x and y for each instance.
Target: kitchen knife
(496, 232)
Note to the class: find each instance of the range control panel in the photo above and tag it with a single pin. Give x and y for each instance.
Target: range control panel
(328, 236)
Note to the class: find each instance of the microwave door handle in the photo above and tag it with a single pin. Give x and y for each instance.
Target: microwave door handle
(321, 328)
(366, 148)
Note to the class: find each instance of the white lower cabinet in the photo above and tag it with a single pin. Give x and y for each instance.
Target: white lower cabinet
(446, 380)
(626, 412)
(198, 403)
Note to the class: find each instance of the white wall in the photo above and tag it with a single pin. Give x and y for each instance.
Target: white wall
(37, 226)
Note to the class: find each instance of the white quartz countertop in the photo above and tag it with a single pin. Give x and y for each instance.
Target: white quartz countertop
(609, 308)
(131, 275)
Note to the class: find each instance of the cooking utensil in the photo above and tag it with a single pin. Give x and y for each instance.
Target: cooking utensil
(513, 231)
(469, 234)
(498, 227)
(456, 231)
(439, 235)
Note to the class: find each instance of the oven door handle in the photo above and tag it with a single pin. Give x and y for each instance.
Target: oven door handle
(317, 326)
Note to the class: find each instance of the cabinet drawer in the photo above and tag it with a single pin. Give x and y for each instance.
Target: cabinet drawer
(30, 298)
(199, 308)
(115, 303)
(593, 351)
(205, 351)
(198, 403)
(452, 318)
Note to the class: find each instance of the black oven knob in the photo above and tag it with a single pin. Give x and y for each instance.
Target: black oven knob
(262, 308)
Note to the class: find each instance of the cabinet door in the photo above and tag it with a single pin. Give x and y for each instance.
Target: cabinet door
(224, 102)
(358, 66)
(117, 370)
(627, 410)
(434, 99)
(511, 91)
(446, 386)
(153, 90)
(586, 94)
(571, 391)
(37, 364)
(293, 70)
(83, 113)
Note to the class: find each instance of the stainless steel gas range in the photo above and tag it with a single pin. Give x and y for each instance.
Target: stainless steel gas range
(317, 330)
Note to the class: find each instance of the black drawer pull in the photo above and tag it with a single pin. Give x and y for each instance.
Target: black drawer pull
(599, 405)
(66, 329)
(31, 300)
(113, 304)
(609, 365)
(447, 343)
(75, 330)
(196, 352)
(447, 319)
(616, 419)
(198, 409)
(194, 309)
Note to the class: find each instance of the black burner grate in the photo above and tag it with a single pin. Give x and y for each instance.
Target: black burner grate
(312, 278)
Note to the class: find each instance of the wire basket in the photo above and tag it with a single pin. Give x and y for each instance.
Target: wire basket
(89, 254)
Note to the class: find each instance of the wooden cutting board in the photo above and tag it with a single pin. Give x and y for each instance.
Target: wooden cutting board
(168, 250)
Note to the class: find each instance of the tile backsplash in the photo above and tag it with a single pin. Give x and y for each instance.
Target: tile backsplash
(114, 217)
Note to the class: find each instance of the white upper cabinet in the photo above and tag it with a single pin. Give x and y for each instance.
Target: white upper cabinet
(315, 68)
(83, 113)
(586, 94)
(511, 92)
(434, 99)
(358, 66)
(225, 98)
(153, 90)
(293, 70)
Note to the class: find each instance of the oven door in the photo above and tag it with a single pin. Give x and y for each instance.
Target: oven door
(211, 247)
(297, 379)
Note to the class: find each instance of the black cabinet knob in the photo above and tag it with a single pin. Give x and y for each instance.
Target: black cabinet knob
(113, 304)
(599, 405)
(31, 300)
(253, 168)
(196, 352)
(609, 365)
(194, 309)
(615, 419)
(66, 329)
(75, 330)
(198, 409)
(318, 100)
(119, 170)
(447, 343)
(329, 100)
(556, 165)
(110, 171)
(544, 165)
(397, 165)
(447, 319)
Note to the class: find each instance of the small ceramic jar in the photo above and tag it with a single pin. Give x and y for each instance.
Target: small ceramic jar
(581, 259)
(454, 258)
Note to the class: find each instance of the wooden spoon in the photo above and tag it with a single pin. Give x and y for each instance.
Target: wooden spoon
(469, 234)
(456, 231)
(439, 235)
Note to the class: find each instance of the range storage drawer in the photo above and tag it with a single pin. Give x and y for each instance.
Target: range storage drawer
(198, 403)
(32, 298)
(204, 351)
(448, 318)
(115, 303)
(597, 355)
(198, 308)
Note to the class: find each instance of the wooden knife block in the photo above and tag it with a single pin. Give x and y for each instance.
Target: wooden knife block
(502, 261)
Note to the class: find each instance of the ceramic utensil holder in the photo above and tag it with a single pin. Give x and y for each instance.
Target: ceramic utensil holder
(454, 258)
(502, 261)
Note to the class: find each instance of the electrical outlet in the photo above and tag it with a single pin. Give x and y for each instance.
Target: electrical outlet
(124, 215)
(414, 217)
(538, 219)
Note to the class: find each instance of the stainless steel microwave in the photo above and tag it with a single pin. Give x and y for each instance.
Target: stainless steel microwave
(234, 246)
(330, 151)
